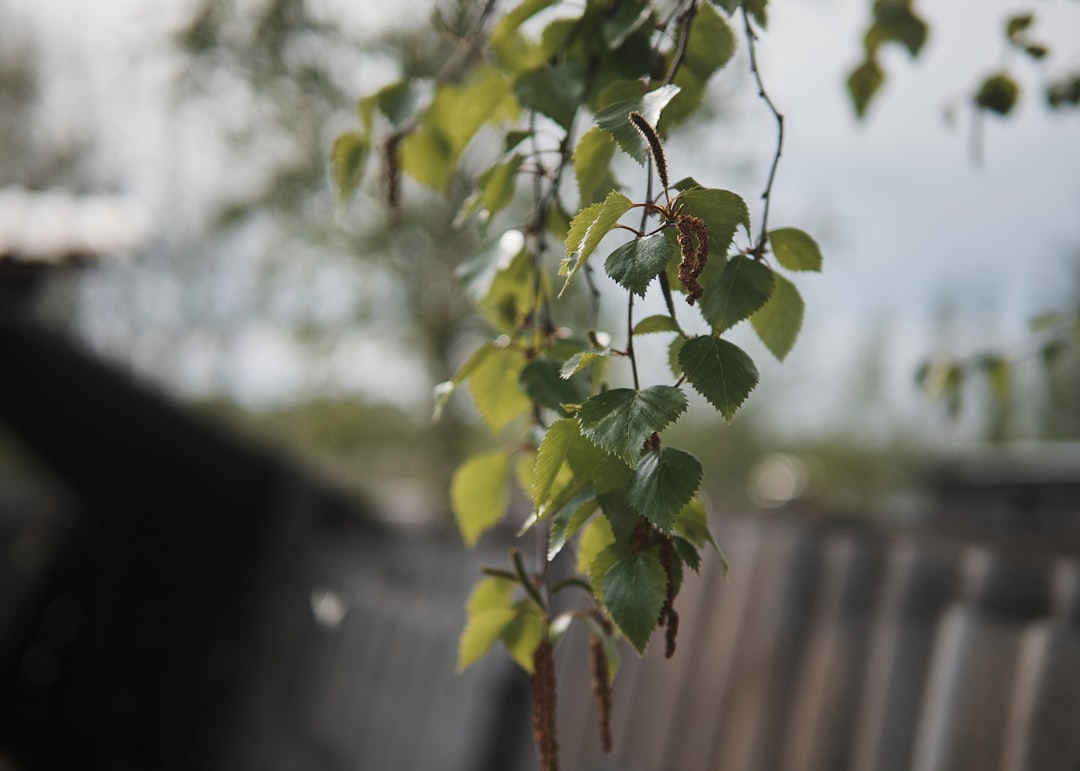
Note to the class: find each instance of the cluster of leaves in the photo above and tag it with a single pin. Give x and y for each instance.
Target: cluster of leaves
(569, 88)
(898, 22)
(946, 377)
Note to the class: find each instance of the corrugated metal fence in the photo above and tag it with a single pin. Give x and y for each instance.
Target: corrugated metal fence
(826, 647)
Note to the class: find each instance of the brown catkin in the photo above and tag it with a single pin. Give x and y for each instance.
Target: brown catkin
(601, 685)
(693, 241)
(543, 685)
(668, 615)
(656, 150)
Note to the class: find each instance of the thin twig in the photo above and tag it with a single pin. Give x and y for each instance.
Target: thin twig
(685, 20)
(759, 249)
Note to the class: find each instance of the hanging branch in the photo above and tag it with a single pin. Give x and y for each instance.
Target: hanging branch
(758, 250)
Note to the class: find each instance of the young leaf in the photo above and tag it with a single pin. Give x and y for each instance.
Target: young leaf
(634, 590)
(863, 83)
(550, 457)
(711, 44)
(477, 272)
(998, 93)
(652, 324)
(581, 360)
(1018, 23)
(693, 524)
(347, 161)
(569, 519)
(673, 355)
(620, 420)
(743, 286)
(688, 553)
(615, 119)
(554, 91)
(494, 188)
(795, 250)
(759, 10)
(517, 16)
(587, 229)
(592, 165)
(611, 481)
(521, 636)
(664, 481)
(490, 594)
(720, 371)
(494, 387)
(778, 322)
(635, 264)
(595, 538)
(722, 210)
(479, 495)
(541, 382)
(480, 633)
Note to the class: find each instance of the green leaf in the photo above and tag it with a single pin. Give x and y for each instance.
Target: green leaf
(664, 481)
(456, 113)
(1018, 23)
(521, 638)
(652, 324)
(517, 16)
(759, 10)
(550, 457)
(711, 44)
(554, 91)
(628, 18)
(863, 83)
(569, 520)
(896, 22)
(743, 286)
(611, 481)
(592, 165)
(688, 553)
(495, 187)
(581, 360)
(795, 250)
(595, 538)
(480, 633)
(1036, 51)
(479, 495)
(722, 210)
(615, 119)
(634, 590)
(620, 420)
(509, 296)
(778, 322)
(541, 382)
(397, 101)
(477, 273)
(426, 156)
(347, 160)
(998, 94)
(693, 524)
(673, 355)
(719, 371)
(494, 387)
(587, 229)
(635, 264)
(491, 593)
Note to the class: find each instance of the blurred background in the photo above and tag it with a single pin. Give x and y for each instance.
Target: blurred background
(223, 511)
